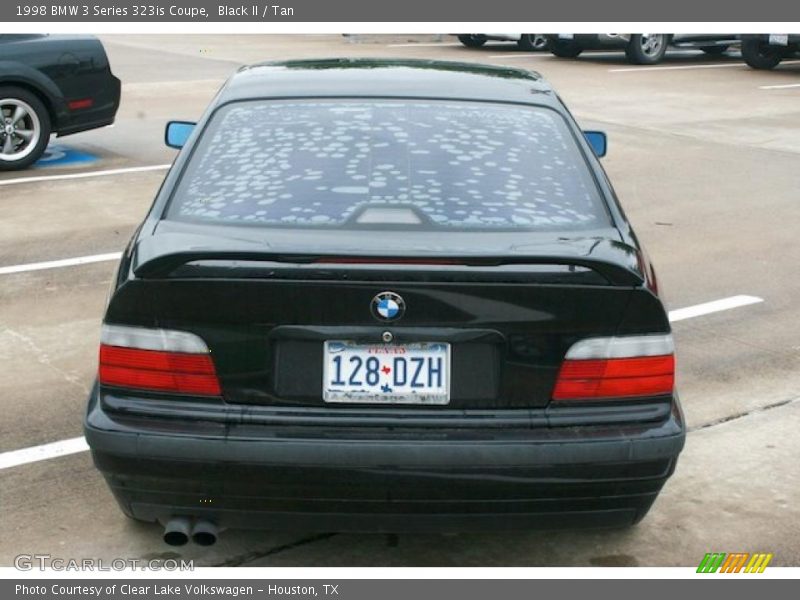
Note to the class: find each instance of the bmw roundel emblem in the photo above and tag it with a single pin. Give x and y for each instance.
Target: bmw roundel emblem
(388, 306)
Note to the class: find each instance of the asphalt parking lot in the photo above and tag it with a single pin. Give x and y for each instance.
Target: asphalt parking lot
(705, 155)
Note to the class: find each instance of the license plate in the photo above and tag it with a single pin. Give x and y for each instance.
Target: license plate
(415, 373)
(779, 39)
(566, 36)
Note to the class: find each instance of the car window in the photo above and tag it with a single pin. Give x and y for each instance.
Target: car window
(413, 164)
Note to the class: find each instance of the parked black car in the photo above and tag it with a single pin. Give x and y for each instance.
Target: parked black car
(766, 51)
(640, 48)
(385, 296)
(58, 84)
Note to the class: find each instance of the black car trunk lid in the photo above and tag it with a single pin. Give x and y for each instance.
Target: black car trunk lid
(266, 316)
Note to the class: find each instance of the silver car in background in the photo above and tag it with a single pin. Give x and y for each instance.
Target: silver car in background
(524, 41)
(640, 48)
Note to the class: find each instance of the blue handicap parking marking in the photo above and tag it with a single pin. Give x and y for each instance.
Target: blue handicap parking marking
(58, 155)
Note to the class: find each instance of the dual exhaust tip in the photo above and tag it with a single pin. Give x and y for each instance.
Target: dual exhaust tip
(179, 530)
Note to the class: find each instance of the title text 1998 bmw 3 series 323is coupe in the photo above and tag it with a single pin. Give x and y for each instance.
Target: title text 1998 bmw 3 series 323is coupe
(384, 296)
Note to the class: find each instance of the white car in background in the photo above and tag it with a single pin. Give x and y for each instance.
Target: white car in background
(525, 41)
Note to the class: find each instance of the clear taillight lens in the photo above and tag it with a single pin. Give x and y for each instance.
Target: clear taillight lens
(617, 367)
(157, 360)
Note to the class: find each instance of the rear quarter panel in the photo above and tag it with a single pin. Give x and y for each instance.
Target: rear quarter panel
(60, 69)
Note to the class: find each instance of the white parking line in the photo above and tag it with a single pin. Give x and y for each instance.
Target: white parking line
(546, 54)
(423, 45)
(677, 68)
(519, 55)
(44, 452)
(34, 454)
(84, 174)
(779, 87)
(57, 264)
(707, 308)
(689, 67)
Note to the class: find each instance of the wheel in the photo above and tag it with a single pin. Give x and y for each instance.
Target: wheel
(646, 48)
(564, 48)
(25, 128)
(715, 50)
(472, 40)
(761, 55)
(532, 41)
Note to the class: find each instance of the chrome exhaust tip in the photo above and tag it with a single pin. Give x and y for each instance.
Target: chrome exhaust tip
(204, 533)
(176, 531)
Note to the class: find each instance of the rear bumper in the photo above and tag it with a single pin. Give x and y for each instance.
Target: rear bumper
(107, 100)
(348, 479)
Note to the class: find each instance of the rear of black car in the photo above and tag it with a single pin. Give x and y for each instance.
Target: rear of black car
(51, 84)
(71, 74)
(91, 92)
(385, 314)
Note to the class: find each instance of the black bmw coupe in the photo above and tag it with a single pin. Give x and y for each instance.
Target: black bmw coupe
(384, 296)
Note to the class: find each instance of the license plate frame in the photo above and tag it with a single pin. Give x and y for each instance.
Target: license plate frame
(368, 393)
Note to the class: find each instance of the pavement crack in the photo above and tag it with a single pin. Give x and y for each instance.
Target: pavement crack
(44, 359)
(702, 327)
(238, 561)
(746, 413)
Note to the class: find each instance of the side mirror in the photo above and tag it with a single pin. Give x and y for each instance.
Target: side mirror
(598, 141)
(177, 132)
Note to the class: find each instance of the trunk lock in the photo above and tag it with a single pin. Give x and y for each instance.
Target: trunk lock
(387, 336)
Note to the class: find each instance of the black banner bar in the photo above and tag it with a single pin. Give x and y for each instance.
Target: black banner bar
(730, 588)
(476, 11)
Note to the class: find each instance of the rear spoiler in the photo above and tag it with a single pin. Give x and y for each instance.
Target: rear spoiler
(619, 265)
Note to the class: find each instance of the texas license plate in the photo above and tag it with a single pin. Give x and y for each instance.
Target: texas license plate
(415, 373)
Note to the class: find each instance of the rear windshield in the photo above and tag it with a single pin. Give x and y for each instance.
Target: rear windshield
(413, 164)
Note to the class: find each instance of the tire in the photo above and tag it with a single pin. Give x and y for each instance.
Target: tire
(647, 48)
(472, 40)
(21, 151)
(564, 48)
(760, 55)
(715, 50)
(530, 42)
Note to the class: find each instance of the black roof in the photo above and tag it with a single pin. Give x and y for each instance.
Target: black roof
(369, 77)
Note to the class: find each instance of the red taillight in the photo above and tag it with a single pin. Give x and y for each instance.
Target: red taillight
(156, 370)
(156, 359)
(81, 104)
(614, 375)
